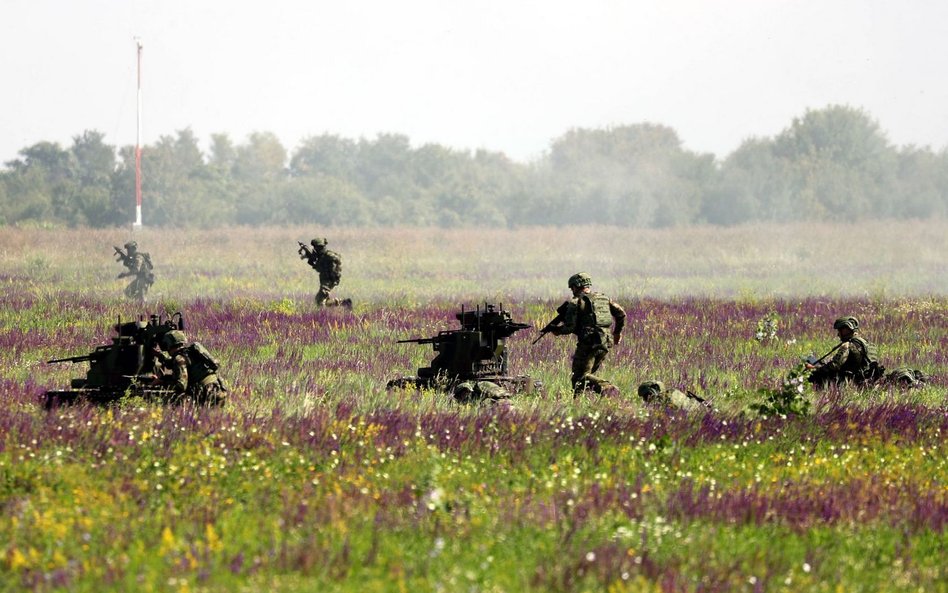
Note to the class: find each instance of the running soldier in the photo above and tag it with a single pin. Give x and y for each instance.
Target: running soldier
(590, 316)
(329, 266)
(138, 264)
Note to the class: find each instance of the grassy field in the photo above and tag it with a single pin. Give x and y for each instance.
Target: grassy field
(314, 477)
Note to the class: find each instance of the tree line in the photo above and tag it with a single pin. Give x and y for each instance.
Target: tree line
(833, 163)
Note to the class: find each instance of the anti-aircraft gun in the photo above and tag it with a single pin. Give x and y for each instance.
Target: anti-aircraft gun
(121, 368)
(475, 353)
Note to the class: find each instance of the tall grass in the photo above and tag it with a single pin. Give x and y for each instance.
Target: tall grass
(314, 477)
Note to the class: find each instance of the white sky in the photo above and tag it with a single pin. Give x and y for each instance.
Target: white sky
(504, 75)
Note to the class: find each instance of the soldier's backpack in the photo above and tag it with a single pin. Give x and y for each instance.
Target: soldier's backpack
(202, 362)
(598, 311)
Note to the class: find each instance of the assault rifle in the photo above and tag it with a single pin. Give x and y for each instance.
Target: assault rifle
(813, 360)
(554, 323)
(122, 256)
(307, 253)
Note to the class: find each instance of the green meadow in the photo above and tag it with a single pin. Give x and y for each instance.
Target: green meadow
(314, 477)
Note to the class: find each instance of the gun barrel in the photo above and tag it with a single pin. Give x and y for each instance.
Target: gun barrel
(418, 341)
(83, 358)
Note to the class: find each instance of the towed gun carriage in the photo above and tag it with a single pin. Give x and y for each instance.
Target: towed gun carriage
(122, 368)
(477, 352)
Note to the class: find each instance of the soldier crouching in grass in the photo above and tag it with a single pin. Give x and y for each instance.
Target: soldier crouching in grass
(855, 360)
(189, 370)
(590, 316)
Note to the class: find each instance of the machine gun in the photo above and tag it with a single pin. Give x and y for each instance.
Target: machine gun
(114, 368)
(475, 352)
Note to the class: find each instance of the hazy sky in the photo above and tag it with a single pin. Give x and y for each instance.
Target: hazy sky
(504, 75)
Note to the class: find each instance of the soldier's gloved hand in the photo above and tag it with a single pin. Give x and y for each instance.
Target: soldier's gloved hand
(616, 338)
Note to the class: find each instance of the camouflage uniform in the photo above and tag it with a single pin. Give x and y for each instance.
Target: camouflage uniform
(654, 393)
(138, 264)
(329, 266)
(187, 373)
(173, 371)
(477, 391)
(589, 315)
(855, 360)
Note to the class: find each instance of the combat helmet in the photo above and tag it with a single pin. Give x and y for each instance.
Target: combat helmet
(580, 280)
(650, 390)
(319, 243)
(850, 322)
(131, 245)
(173, 339)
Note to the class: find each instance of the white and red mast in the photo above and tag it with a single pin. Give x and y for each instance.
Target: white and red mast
(138, 144)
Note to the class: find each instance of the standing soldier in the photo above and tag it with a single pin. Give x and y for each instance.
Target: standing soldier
(329, 266)
(855, 361)
(590, 316)
(138, 264)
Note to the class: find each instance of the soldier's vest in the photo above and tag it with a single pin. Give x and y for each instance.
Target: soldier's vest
(330, 266)
(868, 364)
(592, 322)
(201, 364)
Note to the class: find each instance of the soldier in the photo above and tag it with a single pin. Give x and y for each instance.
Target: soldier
(589, 315)
(654, 393)
(138, 264)
(855, 361)
(329, 266)
(189, 370)
(478, 391)
(171, 366)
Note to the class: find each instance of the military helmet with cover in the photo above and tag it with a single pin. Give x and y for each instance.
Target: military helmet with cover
(651, 389)
(131, 245)
(580, 280)
(173, 339)
(319, 243)
(849, 322)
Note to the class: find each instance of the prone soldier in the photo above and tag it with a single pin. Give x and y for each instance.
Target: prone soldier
(654, 393)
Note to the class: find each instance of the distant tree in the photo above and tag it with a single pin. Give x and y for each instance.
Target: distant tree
(385, 168)
(325, 155)
(839, 162)
(173, 172)
(261, 160)
(922, 181)
(752, 184)
(322, 200)
(91, 198)
(223, 155)
(39, 182)
(634, 175)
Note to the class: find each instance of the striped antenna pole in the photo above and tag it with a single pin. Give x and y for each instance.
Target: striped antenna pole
(138, 143)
